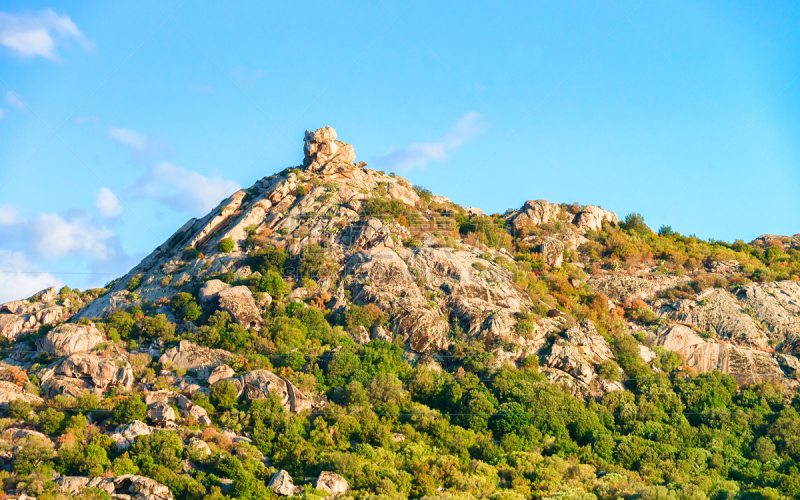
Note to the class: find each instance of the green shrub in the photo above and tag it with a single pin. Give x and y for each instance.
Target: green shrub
(224, 394)
(226, 245)
(19, 409)
(609, 370)
(134, 283)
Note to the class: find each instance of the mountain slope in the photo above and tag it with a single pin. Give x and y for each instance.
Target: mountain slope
(336, 322)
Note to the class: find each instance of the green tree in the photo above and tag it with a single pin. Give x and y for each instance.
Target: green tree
(224, 394)
(32, 453)
(162, 448)
(131, 408)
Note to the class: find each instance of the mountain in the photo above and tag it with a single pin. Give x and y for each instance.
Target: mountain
(333, 322)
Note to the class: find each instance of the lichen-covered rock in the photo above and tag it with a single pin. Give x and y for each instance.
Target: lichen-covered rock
(161, 413)
(190, 356)
(69, 339)
(126, 434)
(239, 302)
(331, 482)
(219, 373)
(552, 251)
(208, 292)
(282, 484)
(259, 383)
(71, 485)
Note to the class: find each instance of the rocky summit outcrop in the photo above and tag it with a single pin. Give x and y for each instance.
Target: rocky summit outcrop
(321, 147)
(69, 339)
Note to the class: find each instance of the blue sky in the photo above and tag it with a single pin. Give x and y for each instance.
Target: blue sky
(122, 120)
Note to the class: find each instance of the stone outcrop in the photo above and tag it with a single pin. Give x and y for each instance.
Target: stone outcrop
(24, 316)
(533, 213)
(159, 401)
(69, 339)
(210, 289)
(219, 373)
(10, 392)
(190, 356)
(132, 486)
(239, 302)
(81, 372)
(552, 251)
(573, 360)
(161, 413)
(331, 482)
(259, 383)
(591, 218)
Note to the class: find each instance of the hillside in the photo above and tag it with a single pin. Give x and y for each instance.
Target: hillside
(335, 331)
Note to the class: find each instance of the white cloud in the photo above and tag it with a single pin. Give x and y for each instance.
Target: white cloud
(130, 138)
(420, 153)
(14, 100)
(56, 236)
(181, 189)
(39, 33)
(107, 203)
(19, 278)
(246, 77)
(8, 215)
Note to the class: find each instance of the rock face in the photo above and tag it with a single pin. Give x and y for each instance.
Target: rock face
(777, 305)
(82, 372)
(210, 289)
(322, 147)
(745, 365)
(69, 339)
(282, 484)
(259, 383)
(161, 402)
(331, 482)
(239, 302)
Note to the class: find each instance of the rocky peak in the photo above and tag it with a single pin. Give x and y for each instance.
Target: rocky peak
(321, 147)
